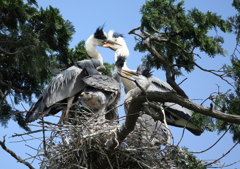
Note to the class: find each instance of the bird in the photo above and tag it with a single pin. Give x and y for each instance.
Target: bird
(102, 93)
(176, 115)
(62, 92)
(64, 89)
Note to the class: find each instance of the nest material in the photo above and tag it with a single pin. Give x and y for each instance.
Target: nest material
(85, 145)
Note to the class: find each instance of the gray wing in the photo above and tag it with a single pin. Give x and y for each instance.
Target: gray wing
(179, 116)
(92, 66)
(107, 84)
(159, 85)
(64, 85)
(102, 82)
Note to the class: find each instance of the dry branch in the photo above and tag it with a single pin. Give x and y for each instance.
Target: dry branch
(138, 99)
(2, 143)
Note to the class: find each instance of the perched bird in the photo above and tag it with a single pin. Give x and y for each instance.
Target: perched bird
(63, 90)
(67, 85)
(176, 115)
(102, 93)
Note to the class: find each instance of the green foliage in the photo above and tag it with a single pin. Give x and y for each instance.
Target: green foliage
(5, 113)
(31, 40)
(180, 33)
(234, 21)
(204, 121)
(184, 159)
(229, 102)
(109, 69)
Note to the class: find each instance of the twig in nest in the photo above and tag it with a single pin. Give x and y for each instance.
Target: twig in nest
(16, 135)
(115, 138)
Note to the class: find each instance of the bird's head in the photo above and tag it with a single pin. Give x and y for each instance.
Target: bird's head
(100, 34)
(117, 43)
(101, 37)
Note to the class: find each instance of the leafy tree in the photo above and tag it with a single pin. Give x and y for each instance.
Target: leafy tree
(31, 40)
(169, 33)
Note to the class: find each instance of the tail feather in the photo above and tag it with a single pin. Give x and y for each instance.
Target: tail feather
(35, 111)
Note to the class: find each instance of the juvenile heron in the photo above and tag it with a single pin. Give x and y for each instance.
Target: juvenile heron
(64, 89)
(102, 93)
(176, 115)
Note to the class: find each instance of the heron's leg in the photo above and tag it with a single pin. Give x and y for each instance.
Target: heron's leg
(69, 105)
(62, 116)
(65, 112)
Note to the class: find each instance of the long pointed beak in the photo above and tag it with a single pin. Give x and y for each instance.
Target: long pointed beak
(129, 73)
(126, 73)
(107, 43)
(111, 44)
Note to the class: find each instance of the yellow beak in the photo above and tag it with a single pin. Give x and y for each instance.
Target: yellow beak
(126, 73)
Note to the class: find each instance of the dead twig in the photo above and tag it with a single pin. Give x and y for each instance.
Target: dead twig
(2, 143)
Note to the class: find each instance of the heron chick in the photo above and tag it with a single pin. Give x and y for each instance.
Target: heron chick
(102, 93)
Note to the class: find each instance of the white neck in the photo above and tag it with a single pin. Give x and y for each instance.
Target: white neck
(91, 45)
(122, 51)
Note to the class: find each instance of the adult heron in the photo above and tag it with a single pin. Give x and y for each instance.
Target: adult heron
(64, 89)
(176, 115)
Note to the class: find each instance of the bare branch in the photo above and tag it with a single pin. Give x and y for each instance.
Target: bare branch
(138, 99)
(213, 144)
(154, 52)
(223, 154)
(182, 81)
(213, 72)
(133, 32)
(2, 143)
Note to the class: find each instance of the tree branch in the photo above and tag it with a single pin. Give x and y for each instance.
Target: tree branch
(138, 99)
(19, 90)
(166, 67)
(2, 143)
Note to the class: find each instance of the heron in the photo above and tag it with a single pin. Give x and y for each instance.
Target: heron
(102, 93)
(176, 115)
(65, 88)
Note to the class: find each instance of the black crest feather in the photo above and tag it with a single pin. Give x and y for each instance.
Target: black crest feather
(99, 33)
(144, 71)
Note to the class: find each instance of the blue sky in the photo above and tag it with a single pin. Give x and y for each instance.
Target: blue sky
(122, 16)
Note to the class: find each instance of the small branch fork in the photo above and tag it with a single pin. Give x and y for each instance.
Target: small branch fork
(213, 144)
(148, 38)
(2, 143)
(223, 155)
